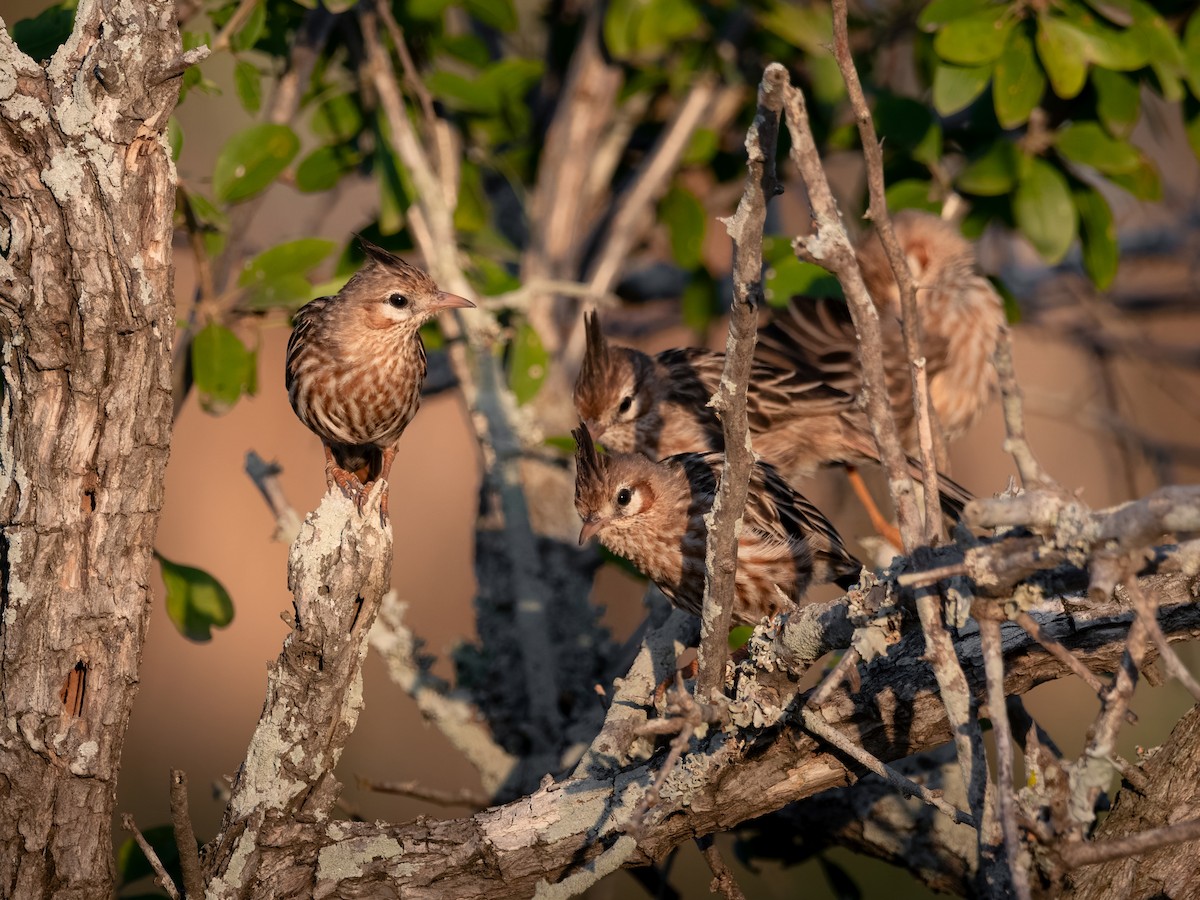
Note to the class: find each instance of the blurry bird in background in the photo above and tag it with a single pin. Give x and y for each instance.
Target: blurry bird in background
(355, 364)
(961, 318)
(652, 513)
(803, 390)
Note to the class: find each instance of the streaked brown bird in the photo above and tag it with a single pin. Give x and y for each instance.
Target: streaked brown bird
(658, 406)
(961, 318)
(355, 365)
(652, 513)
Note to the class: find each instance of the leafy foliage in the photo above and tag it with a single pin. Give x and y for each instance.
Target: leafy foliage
(196, 602)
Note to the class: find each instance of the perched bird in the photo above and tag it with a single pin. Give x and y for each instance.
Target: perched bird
(961, 319)
(652, 513)
(658, 406)
(355, 364)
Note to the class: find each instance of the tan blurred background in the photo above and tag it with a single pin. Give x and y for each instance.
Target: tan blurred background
(199, 703)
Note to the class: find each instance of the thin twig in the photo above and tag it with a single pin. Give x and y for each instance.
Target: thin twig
(1146, 605)
(830, 247)
(993, 664)
(745, 226)
(834, 678)
(629, 222)
(265, 477)
(723, 882)
(412, 78)
(826, 732)
(160, 872)
(1058, 651)
(1031, 471)
(1090, 853)
(418, 791)
(935, 531)
(910, 313)
(236, 21)
(185, 837)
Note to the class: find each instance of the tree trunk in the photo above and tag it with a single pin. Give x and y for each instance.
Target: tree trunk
(87, 317)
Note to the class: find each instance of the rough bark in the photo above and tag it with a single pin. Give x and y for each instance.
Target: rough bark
(87, 192)
(338, 573)
(1172, 796)
(561, 837)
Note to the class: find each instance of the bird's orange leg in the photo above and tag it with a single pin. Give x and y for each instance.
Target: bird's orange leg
(347, 482)
(879, 521)
(385, 471)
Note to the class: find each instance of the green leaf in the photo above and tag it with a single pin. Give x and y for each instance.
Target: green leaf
(206, 212)
(1044, 212)
(1098, 236)
(1019, 82)
(428, 10)
(298, 256)
(957, 87)
(338, 120)
(788, 276)
(248, 82)
(40, 36)
(1063, 56)
(976, 38)
(1090, 145)
(739, 635)
(699, 303)
(222, 367)
(563, 443)
(701, 148)
(1143, 182)
(1108, 47)
(499, 14)
(940, 12)
(324, 167)
(526, 364)
(808, 27)
(251, 160)
(912, 193)
(256, 24)
(909, 126)
(686, 221)
(131, 861)
(471, 212)
(663, 22)
(196, 602)
(1191, 52)
(174, 138)
(993, 174)
(1118, 101)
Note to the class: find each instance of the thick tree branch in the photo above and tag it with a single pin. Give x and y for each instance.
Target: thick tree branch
(87, 315)
(338, 572)
(558, 831)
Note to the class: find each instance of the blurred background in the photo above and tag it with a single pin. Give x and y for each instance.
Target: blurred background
(1103, 294)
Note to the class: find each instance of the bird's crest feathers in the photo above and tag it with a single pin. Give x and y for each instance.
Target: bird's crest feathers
(590, 467)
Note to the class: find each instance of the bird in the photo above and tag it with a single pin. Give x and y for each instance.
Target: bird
(962, 317)
(658, 406)
(355, 365)
(652, 514)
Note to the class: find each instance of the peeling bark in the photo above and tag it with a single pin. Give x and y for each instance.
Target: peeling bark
(338, 573)
(87, 193)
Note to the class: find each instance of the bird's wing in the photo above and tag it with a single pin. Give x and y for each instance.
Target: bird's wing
(304, 323)
(774, 395)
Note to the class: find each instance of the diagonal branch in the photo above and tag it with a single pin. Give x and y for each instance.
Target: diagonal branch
(830, 247)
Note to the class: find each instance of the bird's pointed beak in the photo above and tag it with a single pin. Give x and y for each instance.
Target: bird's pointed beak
(451, 301)
(594, 428)
(591, 525)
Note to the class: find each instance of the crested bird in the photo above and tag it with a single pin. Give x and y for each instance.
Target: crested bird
(355, 365)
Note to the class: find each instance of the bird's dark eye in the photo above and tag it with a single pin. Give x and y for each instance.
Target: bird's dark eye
(626, 403)
(399, 301)
(624, 495)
